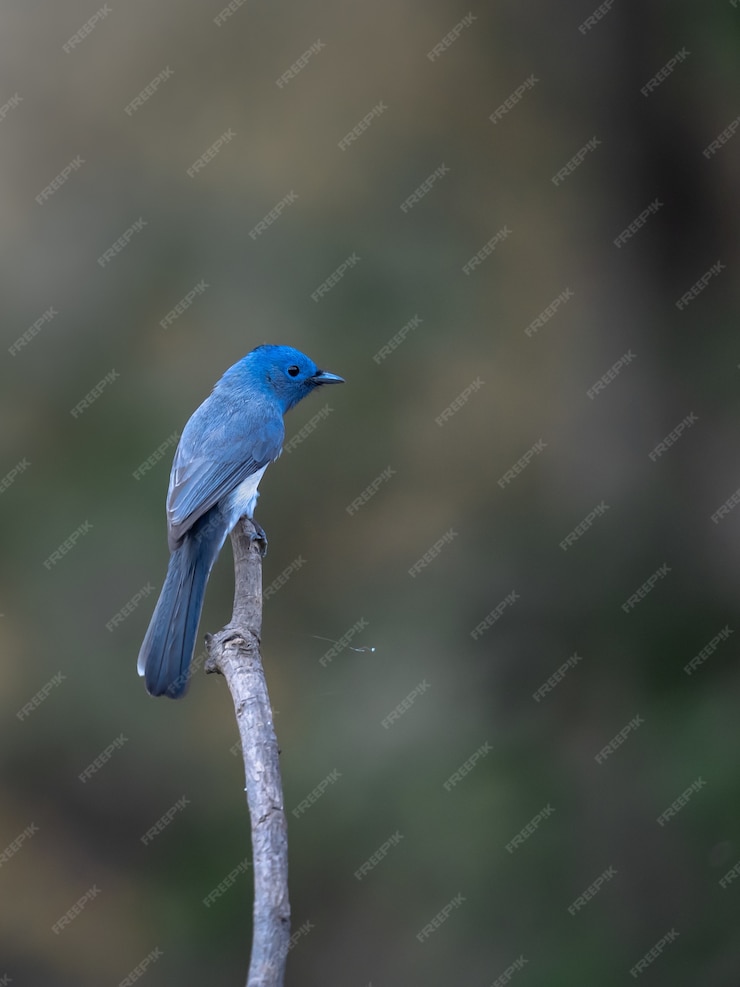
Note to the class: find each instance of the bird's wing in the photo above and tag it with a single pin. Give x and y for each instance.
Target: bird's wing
(211, 462)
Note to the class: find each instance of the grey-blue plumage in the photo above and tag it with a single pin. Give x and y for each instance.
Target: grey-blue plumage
(224, 449)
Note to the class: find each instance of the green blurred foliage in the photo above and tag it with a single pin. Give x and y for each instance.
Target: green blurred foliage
(480, 690)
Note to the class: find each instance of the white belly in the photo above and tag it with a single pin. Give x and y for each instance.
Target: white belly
(242, 501)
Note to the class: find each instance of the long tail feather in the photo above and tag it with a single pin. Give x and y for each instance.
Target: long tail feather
(165, 656)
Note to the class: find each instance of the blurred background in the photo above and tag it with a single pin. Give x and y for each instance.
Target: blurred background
(141, 144)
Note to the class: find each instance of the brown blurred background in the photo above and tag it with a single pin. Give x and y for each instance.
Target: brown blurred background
(219, 73)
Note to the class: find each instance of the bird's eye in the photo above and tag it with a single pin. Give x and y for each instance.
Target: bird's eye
(293, 371)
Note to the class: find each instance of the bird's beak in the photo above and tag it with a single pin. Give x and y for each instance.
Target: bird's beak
(324, 377)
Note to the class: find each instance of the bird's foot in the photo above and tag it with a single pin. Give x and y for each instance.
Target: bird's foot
(260, 537)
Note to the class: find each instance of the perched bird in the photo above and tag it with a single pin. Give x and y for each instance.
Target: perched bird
(224, 449)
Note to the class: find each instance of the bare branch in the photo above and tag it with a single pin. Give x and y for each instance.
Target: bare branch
(234, 651)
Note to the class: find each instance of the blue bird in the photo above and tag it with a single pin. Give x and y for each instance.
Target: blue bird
(224, 449)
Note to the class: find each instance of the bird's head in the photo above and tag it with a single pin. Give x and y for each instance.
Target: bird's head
(287, 373)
